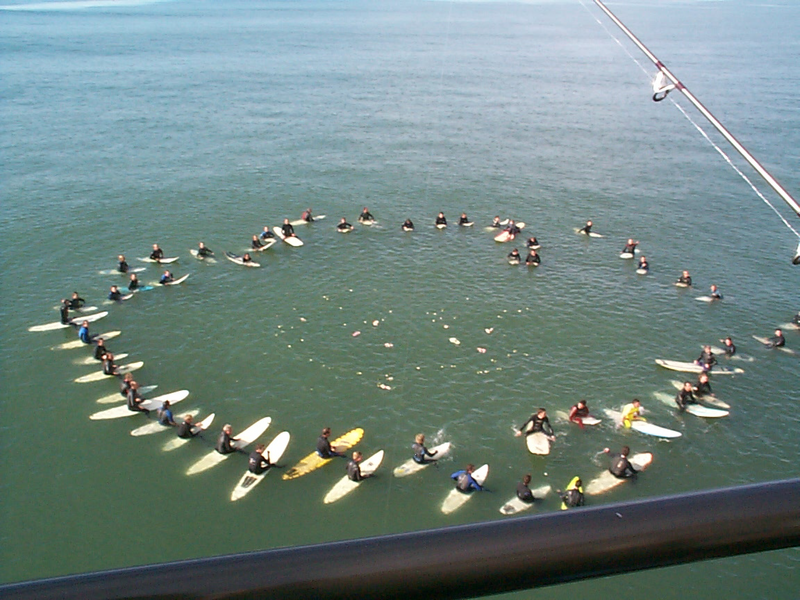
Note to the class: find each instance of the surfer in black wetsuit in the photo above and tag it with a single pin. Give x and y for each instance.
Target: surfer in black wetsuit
(133, 283)
(514, 257)
(122, 264)
(703, 386)
(344, 225)
(109, 368)
(524, 492)
(532, 243)
(496, 223)
(539, 422)
(578, 412)
(185, 429)
(166, 278)
(643, 264)
(287, 229)
(100, 349)
(76, 301)
(257, 463)
(533, 258)
(247, 258)
(115, 294)
(706, 359)
(408, 225)
(63, 311)
(165, 417)
(465, 483)
(127, 380)
(203, 250)
(256, 243)
(421, 453)
(630, 247)
(685, 279)
(573, 495)
(463, 219)
(796, 319)
(365, 215)
(134, 399)
(225, 441)
(157, 253)
(512, 229)
(324, 449)
(586, 229)
(621, 468)
(728, 347)
(777, 340)
(307, 216)
(440, 220)
(354, 468)
(685, 396)
(266, 234)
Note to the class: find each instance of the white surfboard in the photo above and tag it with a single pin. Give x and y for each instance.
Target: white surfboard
(268, 243)
(515, 505)
(467, 224)
(513, 261)
(249, 480)
(648, 428)
(345, 485)
(538, 443)
(626, 255)
(345, 229)
(505, 236)
(163, 261)
(697, 410)
(116, 398)
(156, 427)
(119, 412)
(91, 360)
(302, 222)
(688, 367)
(248, 436)
(177, 442)
(606, 481)
(711, 400)
(77, 320)
(440, 225)
(291, 240)
(367, 222)
(642, 271)
(235, 258)
(74, 344)
(209, 259)
(118, 272)
(82, 309)
(590, 420)
(411, 466)
(719, 351)
(99, 375)
(766, 343)
(174, 282)
(591, 233)
(789, 326)
(456, 499)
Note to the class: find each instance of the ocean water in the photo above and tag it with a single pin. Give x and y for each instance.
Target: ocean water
(131, 123)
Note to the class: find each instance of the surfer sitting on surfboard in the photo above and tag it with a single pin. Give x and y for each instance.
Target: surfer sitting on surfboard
(464, 481)
(165, 416)
(512, 229)
(76, 301)
(643, 264)
(777, 340)
(573, 495)
(64, 311)
(185, 429)
(532, 243)
(630, 247)
(728, 347)
(630, 413)
(266, 234)
(109, 368)
(578, 412)
(703, 387)
(621, 467)
(167, 277)
(365, 215)
(586, 229)
(324, 449)
(538, 423)
(514, 257)
(440, 220)
(134, 399)
(463, 219)
(133, 283)
(408, 225)
(685, 396)
(258, 463)
(115, 294)
(524, 492)
(225, 441)
(715, 294)
(344, 225)
(496, 223)
(157, 253)
(685, 279)
(706, 358)
(83, 333)
(287, 229)
(421, 453)
(796, 319)
(122, 264)
(533, 258)
(307, 216)
(354, 468)
(204, 251)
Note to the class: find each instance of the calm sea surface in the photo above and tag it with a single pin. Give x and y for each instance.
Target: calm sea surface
(126, 124)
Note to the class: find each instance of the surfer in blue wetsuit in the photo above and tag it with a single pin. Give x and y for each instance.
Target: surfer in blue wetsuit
(266, 234)
(440, 220)
(685, 396)
(354, 468)
(287, 229)
(777, 340)
(76, 301)
(133, 283)
(122, 264)
(365, 216)
(586, 229)
(496, 222)
(257, 463)
(157, 253)
(539, 422)
(630, 247)
(64, 311)
(344, 225)
(715, 294)
(465, 483)
(408, 225)
(324, 449)
(706, 359)
(256, 243)
(167, 277)
(186, 428)
(307, 216)
(643, 264)
(463, 219)
(115, 294)
(165, 415)
(621, 468)
(533, 259)
(203, 250)
(421, 453)
(524, 492)
(514, 257)
(83, 333)
(685, 280)
(225, 441)
(134, 399)
(728, 347)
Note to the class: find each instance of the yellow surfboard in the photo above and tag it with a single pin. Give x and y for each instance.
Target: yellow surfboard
(571, 485)
(313, 461)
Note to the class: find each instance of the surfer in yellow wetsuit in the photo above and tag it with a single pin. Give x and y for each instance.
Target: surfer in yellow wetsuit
(630, 413)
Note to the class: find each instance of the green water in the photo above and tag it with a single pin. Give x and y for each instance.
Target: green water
(187, 121)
